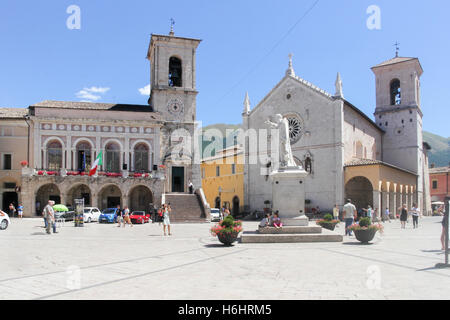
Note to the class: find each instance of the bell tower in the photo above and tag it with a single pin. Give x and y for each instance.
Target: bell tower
(172, 76)
(398, 112)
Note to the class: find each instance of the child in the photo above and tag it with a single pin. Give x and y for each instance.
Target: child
(277, 221)
(265, 222)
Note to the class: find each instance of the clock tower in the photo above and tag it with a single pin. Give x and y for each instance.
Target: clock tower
(172, 77)
(173, 95)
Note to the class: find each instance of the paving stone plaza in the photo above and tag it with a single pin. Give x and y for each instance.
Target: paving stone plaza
(102, 261)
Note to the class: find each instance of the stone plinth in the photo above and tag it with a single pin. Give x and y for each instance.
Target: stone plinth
(324, 236)
(288, 195)
(291, 230)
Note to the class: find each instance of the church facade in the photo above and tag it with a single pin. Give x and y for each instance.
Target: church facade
(142, 146)
(381, 162)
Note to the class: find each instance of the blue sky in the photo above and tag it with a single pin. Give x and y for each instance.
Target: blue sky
(245, 47)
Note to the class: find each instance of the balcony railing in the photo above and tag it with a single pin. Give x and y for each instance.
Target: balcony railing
(124, 174)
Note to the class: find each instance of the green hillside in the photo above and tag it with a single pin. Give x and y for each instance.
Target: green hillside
(440, 149)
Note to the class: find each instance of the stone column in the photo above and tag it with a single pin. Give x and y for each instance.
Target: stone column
(385, 203)
(377, 201)
(393, 204)
(94, 200)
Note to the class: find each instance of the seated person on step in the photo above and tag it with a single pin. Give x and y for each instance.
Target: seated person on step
(276, 221)
(265, 222)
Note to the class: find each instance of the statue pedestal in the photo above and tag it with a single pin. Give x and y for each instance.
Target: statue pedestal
(288, 195)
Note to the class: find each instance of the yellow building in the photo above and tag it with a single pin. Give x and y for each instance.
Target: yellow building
(223, 179)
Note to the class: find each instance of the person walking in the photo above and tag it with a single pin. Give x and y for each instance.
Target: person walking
(369, 212)
(348, 212)
(403, 215)
(126, 216)
(20, 211)
(119, 217)
(386, 216)
(191, 187)
(415, 213)
(166, 220)
(49, 215)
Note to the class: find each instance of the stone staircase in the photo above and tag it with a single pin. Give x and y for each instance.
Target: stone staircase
(185, 208)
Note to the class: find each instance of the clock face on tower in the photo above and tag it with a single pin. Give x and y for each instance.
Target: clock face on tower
(175, 106)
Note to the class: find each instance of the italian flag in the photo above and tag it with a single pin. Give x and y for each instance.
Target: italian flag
(98, 162)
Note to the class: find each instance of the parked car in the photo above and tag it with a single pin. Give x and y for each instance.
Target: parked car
(216, 215)
(66, 215)
(139, 217)
(4, 220)
(91, 214)
(108, 215)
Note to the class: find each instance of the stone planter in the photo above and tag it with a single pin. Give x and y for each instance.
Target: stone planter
(365, 236)
(328, 226)
(227, 238)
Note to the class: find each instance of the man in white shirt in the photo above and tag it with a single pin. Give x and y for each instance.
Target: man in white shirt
(49, 215)
(348, 213)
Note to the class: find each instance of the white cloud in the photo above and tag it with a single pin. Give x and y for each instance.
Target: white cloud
(87, 94)
(145, 91)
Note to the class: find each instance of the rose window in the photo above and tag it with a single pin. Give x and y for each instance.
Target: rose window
(295, 129)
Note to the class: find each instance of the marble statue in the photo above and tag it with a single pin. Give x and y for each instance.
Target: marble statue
(285, 152)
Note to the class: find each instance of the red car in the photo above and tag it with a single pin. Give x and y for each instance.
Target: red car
(139, 217)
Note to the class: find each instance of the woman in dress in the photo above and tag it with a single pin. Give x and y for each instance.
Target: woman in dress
(166, 219)
(403, 216)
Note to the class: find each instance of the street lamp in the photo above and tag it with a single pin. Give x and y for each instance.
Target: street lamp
(446, 216)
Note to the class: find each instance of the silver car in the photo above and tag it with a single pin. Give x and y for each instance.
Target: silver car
(216, 215)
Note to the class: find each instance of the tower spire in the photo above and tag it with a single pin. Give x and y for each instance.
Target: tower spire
(172, 23)
(246, 104)
(396, 44)
(290, 71)
(339, 93)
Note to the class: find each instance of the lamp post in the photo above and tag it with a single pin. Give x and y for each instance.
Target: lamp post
(446, 216)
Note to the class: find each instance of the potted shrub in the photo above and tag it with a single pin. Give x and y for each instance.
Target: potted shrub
(364, 230)
(227, 230)
(328, 222)
(24, 163)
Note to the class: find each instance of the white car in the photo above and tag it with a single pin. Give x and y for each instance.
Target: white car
(216, 215)
(4, 220)
(91, 214)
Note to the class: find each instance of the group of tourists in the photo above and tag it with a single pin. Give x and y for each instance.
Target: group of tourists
(123, 216)
(271, 221)
(350, 214)
(12, 210)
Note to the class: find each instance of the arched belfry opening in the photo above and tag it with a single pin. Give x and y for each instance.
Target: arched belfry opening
(175, 72)
(396, 97)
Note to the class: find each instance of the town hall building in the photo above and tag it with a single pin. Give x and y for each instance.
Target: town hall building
(51, 145)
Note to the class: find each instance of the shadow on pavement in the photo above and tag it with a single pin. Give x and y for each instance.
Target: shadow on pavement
(215, 245)
(357, 244)
(39, 234)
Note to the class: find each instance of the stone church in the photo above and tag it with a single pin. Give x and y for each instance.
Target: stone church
(145, 160)
(380, 161)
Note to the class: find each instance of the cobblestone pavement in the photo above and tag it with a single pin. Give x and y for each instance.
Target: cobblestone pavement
(102, 261)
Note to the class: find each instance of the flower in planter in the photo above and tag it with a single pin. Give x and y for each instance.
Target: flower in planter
(327, 222)
(366, 224)
(24, 163)
(227, 230)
